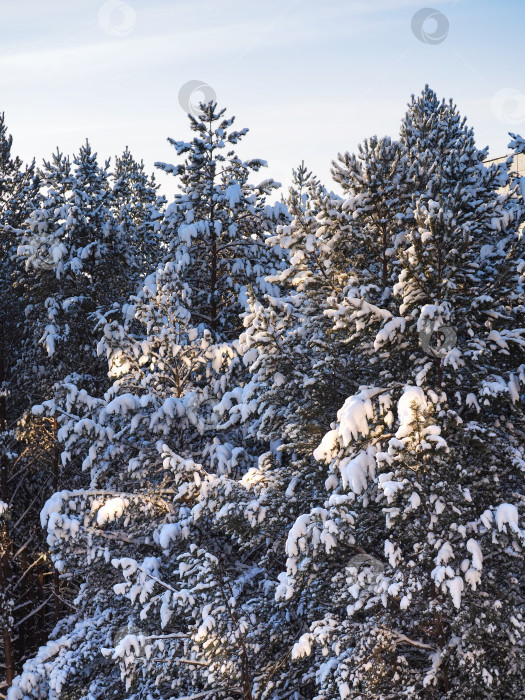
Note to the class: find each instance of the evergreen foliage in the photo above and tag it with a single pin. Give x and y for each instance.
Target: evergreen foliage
(289, 438)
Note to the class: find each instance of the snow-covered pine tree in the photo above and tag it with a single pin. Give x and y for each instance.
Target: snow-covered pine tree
(78, 244)
(302, 363)
(190, 614)
(138, 211)
(81, 253)
(342, 266)
(411, 568)
(18, 195)
(75, 258)
(130, 511)
(217, 231)
(217, 227)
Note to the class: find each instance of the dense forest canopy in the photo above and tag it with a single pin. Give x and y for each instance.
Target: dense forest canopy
(264, 449)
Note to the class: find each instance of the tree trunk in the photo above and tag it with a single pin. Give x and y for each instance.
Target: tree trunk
(8, 655)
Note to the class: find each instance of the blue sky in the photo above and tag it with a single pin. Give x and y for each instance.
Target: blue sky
(310, 79)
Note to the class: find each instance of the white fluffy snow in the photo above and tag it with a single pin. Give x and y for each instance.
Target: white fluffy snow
(303, 647)
(389, 332)
(352, 420)
(445, 554)
(507, 514)
(327, 448)
(122, 404)
(353, 417)
(477, 555)
(356, 472)
(297, 531)
(456, 587)
(111, 510)
(413, 398)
